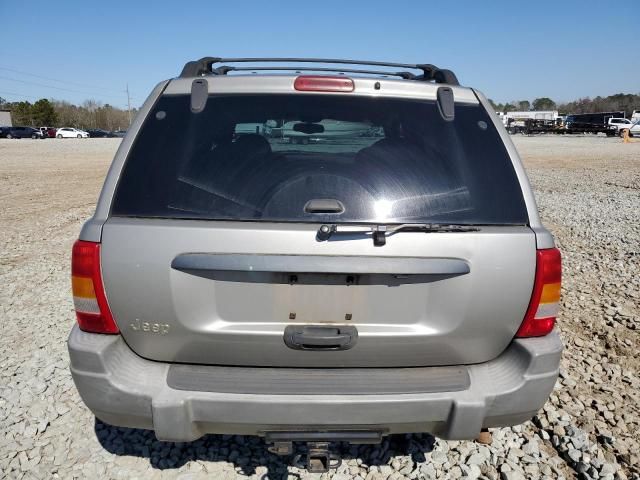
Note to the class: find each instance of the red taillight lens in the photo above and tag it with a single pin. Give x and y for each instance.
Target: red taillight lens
(545, 299)
(92, 309)
(311, 83)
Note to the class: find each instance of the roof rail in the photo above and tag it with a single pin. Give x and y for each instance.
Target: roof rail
(204, 66)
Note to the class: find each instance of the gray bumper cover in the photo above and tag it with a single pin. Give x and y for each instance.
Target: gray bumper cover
(124, 389)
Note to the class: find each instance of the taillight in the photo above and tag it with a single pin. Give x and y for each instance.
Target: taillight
(545, 299)
(312, 83)
(92, 309)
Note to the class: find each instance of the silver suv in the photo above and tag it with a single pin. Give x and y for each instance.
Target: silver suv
(315, 253)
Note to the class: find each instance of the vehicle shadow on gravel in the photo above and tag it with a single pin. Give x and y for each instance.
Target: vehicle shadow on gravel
(247, 453)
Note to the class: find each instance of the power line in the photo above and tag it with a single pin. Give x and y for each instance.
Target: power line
(58, 80)
(24, 95)
(62, 88)
(18, 94)
(42, 85)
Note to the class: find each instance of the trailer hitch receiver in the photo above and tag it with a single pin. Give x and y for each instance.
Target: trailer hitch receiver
(319, 459)
(316, 457)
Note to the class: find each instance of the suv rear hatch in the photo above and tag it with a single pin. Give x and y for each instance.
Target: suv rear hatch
(211, 253)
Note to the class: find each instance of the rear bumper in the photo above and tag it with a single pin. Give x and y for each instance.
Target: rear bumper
(124, 389)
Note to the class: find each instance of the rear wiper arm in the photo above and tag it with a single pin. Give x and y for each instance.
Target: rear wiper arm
(380, 231)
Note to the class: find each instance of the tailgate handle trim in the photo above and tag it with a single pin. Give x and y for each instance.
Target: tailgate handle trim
(238, 262)
(320, 337)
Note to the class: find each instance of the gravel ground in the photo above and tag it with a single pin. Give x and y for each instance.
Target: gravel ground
(588, 192)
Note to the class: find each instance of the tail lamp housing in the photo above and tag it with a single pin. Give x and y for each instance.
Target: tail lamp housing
(545, 298)
(92, 310)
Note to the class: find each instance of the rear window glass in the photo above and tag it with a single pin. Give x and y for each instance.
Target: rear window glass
(319, 158)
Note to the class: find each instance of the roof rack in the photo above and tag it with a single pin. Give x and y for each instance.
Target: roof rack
(204, 66)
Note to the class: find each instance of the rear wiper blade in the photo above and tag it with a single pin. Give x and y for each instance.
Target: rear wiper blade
(380, 231)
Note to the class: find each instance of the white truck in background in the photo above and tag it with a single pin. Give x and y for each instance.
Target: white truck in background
(620, 124)
(631, 125)
(533, 121)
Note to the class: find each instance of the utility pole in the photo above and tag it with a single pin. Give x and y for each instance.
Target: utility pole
(129, 104)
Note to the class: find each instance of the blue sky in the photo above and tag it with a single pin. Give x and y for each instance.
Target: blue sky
(76, 50)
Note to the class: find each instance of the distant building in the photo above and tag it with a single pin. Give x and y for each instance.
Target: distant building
(5, 118)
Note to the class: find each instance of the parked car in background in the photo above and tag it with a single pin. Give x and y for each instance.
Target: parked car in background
(23, 132)
(634, 129)
(48, 132)
(620, 123)
(67, 132)
(4, 131)
(99, 133)
(119, 133)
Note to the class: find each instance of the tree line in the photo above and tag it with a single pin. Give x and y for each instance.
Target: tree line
(627, 102)
(94, 114)
(57, 113)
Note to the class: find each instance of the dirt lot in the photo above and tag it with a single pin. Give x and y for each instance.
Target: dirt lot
(588, 189)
